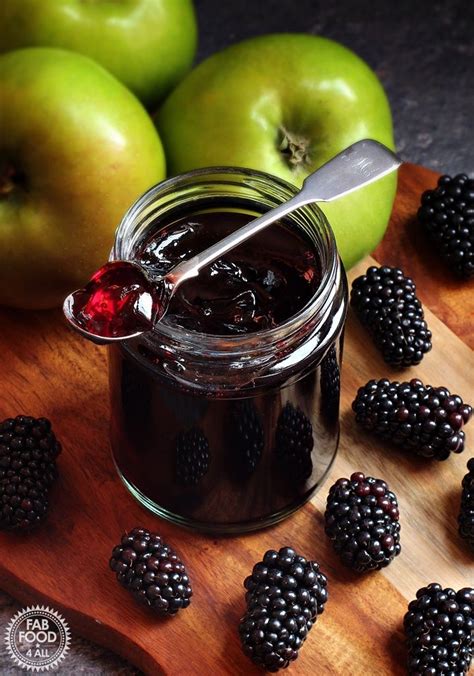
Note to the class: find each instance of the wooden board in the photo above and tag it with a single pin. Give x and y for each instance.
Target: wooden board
(46, 370)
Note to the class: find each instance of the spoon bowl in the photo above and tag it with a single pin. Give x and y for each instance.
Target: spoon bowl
(68, 310)
(120, 302)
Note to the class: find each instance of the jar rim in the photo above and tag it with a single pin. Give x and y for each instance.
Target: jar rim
(236, 344)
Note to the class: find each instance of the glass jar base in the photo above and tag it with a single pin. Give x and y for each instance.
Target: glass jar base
(222, 528)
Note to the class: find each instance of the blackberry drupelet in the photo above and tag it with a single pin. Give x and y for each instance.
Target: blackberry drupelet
(285, 595)
(466, 515)
(362, 520)
(28, 452)
(387, 305)
(447, 215)
(439, 629)
(424, 419)
(151, 571)
(294, 443)
(192, 457)
(330, 384)
(247, 436)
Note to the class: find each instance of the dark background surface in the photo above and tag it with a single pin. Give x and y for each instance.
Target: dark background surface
(422, 52)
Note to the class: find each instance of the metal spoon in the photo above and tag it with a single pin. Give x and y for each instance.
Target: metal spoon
(360, 164)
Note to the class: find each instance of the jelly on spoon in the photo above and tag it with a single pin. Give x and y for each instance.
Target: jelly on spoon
(121, 301)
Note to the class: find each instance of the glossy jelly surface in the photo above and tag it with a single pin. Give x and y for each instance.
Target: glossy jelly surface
(256, 286)
(119, 300)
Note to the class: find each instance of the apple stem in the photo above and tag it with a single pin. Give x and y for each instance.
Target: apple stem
(8, 179)
(294, 148)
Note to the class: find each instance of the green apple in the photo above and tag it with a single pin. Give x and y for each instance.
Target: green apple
(147, 44)
(285, 104)
(76, 149)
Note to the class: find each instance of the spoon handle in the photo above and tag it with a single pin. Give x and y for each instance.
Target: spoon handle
(358, 165)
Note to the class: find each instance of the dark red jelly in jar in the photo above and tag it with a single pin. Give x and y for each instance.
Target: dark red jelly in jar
(225, 417)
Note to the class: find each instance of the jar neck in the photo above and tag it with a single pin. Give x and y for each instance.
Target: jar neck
(255, 193)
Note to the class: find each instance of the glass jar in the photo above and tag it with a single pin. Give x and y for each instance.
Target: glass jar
(261, 408)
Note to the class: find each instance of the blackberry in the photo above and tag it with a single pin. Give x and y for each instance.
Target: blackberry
(447, 215)
(330, 384)
(285, 595)
(439, 627)
(28, 452)
(151, 571)
(294, 443)
(466, 515)
(424, 419)
(247, 436)
(362, 520)
(192, 457)
(387, 305)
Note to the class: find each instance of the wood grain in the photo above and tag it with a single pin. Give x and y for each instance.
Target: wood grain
(46, 370)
